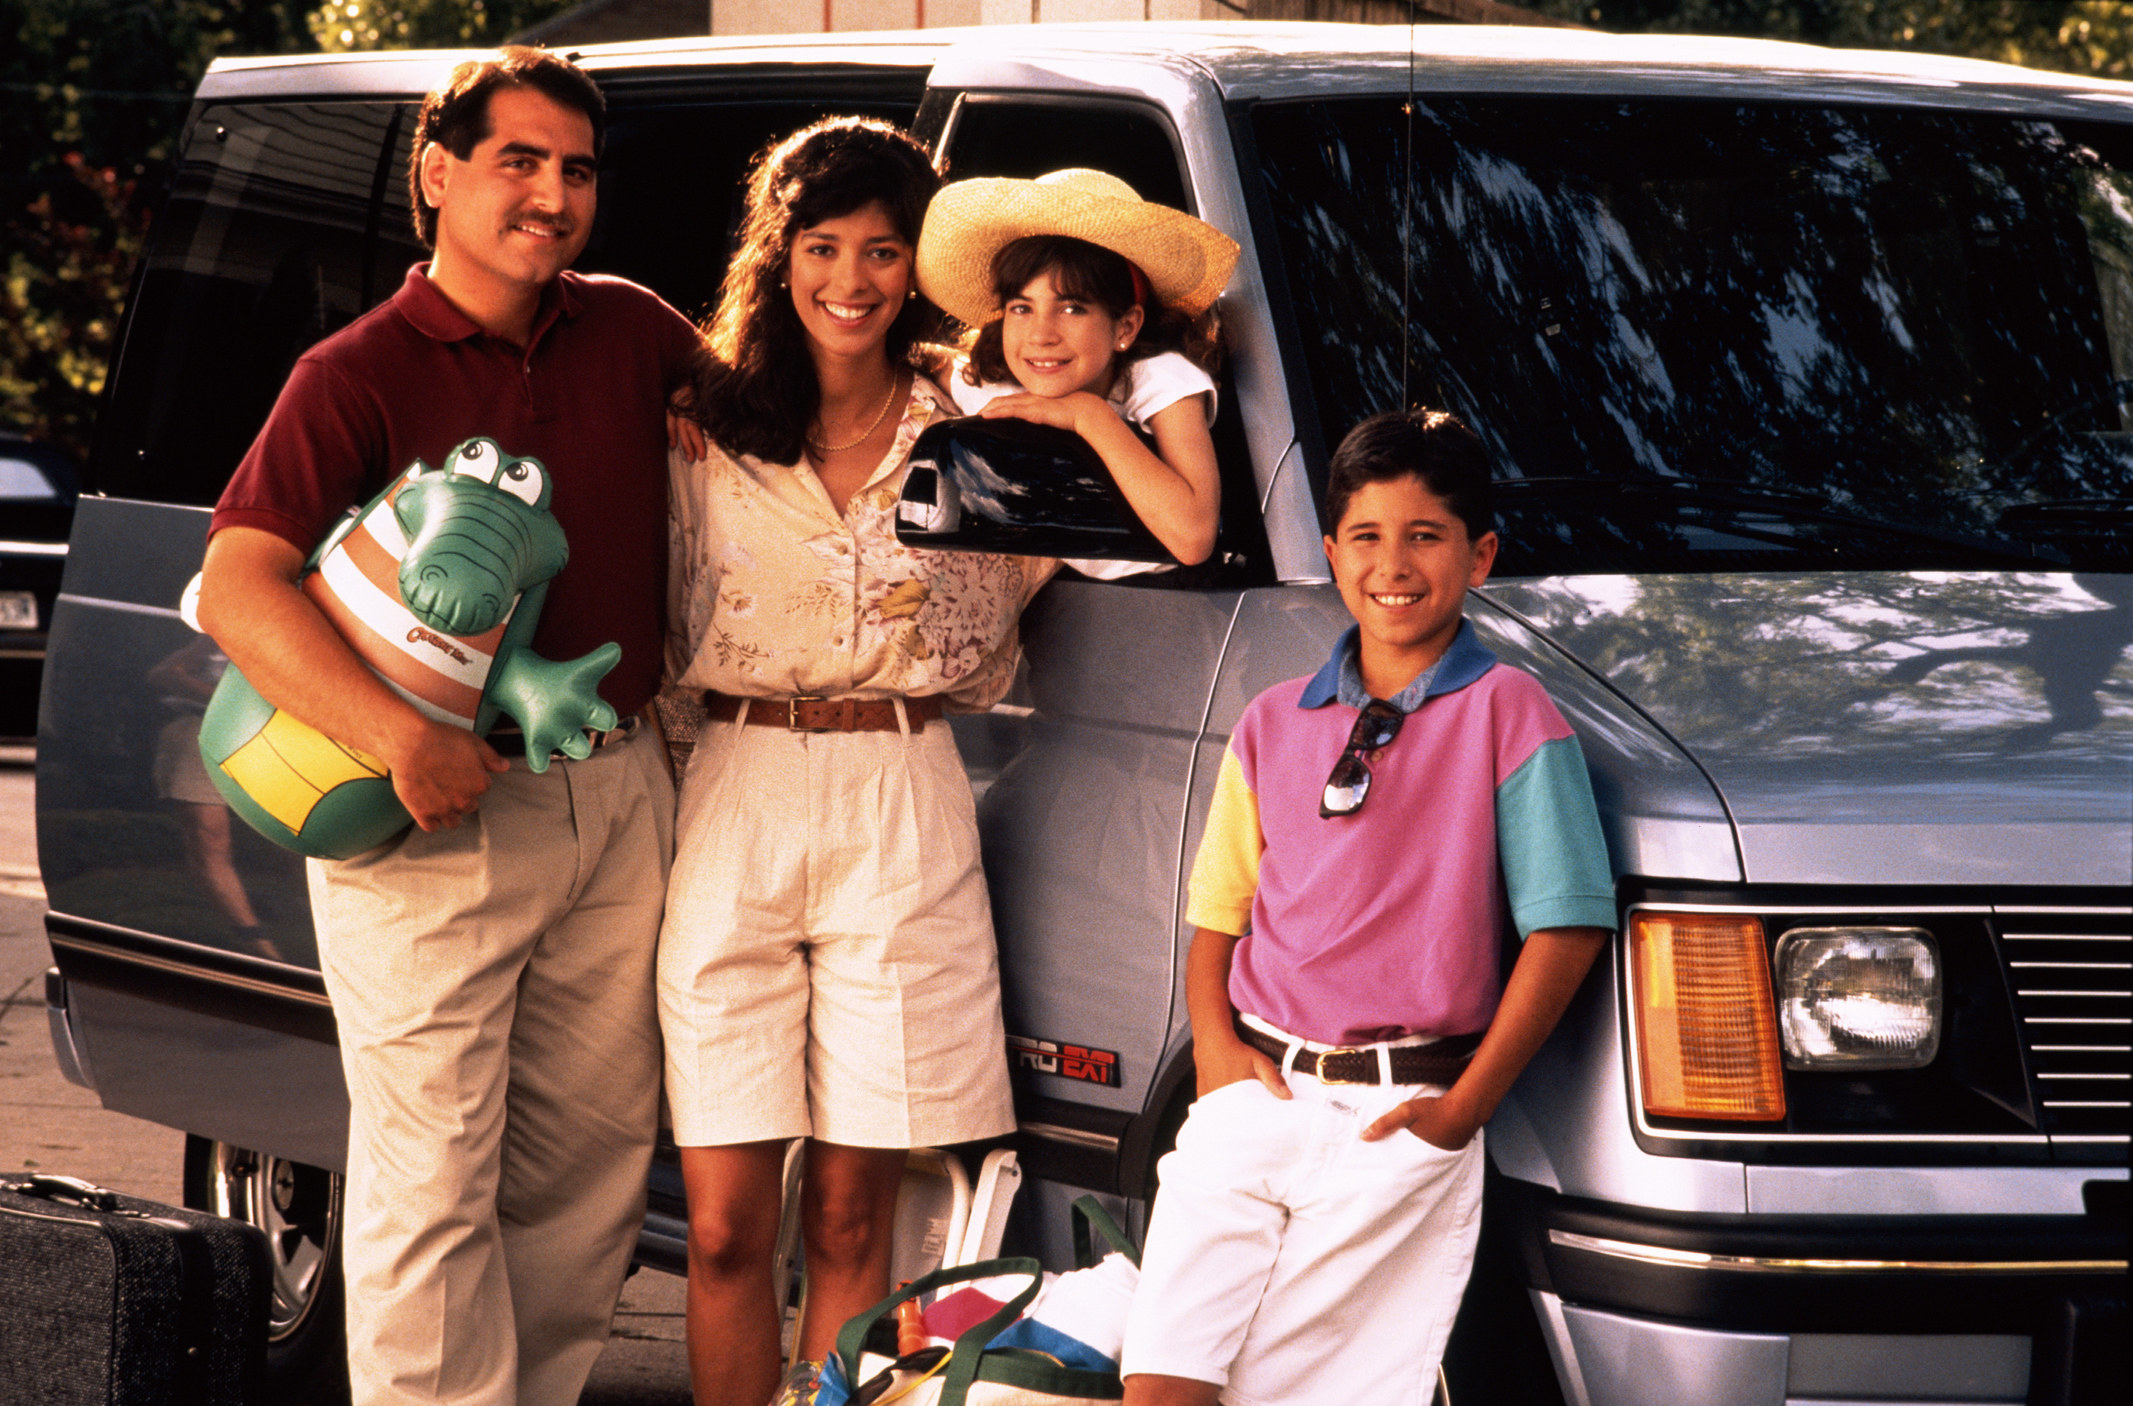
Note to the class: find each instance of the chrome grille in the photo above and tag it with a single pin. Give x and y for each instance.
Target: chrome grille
(2071, 971)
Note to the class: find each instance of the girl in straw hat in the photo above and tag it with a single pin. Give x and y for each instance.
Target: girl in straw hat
(826, 967)
(1092, 311)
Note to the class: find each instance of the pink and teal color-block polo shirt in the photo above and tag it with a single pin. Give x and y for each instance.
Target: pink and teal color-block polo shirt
(1386, 922)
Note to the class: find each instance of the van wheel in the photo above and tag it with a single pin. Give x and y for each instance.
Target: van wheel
(299, 1208)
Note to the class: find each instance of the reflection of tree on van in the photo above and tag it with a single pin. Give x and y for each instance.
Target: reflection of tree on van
(2077, 656)
(1845, 666)
(185, 679)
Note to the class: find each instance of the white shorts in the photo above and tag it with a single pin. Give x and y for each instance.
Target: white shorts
(1297, 1265)
(827, 967)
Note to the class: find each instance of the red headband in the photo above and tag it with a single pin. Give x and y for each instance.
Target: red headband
(1141, 292)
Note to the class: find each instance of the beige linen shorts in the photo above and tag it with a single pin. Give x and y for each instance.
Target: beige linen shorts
(827, 968)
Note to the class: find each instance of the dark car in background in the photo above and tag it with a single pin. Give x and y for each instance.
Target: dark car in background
(37, 491)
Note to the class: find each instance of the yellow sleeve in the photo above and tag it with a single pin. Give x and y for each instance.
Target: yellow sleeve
(1225, 874)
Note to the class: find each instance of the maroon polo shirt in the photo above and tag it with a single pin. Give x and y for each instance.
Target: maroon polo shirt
(413, 377)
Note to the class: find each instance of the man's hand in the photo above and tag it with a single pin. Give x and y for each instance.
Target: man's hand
(250, 604)
(1218, 1062)
(441, 773)
(684, 434)
(1437, 1121)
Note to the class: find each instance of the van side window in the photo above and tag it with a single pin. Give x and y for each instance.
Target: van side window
(1023, 138)
(1026, 137)
(1727, 336)
(270, 240)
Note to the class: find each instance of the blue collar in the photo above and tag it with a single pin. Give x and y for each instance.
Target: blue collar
(1465, 660)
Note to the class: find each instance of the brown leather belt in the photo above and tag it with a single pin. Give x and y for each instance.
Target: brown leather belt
(1441, 1062)
(824, 714)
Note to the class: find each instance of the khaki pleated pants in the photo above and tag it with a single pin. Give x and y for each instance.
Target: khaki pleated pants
(493, 986)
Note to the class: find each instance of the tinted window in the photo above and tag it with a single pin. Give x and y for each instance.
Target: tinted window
(671, 186)
(266, 244)
(285, 222)
(1024, 139)
(1707, 336)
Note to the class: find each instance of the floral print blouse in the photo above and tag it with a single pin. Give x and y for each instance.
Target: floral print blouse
(773, 594)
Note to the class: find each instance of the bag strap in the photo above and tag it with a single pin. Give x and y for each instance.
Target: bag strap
(969, 1349)
(851, 1338)
(1090, 1216)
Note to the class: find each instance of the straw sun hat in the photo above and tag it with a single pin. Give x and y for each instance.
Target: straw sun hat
(1186, 261)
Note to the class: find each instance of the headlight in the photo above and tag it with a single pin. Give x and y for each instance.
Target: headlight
(1858, 998)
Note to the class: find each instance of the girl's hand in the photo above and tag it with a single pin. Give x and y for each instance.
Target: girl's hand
(1064, 412)
(1437, 1121)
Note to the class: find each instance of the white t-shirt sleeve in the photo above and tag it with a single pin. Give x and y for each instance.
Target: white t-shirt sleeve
(969, 399)
(1158, 383)
(1107, 570)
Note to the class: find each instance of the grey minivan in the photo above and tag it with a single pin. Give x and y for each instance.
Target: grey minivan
(1809, 378)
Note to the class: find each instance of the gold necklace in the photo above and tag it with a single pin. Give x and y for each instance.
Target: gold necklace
(820, 448)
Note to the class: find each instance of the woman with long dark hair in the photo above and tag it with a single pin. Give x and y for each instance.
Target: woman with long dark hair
(826, 969)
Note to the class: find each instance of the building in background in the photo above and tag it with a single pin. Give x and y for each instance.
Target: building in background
(604, 21)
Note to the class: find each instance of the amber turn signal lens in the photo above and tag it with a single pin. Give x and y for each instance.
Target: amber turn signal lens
(1707, 1041)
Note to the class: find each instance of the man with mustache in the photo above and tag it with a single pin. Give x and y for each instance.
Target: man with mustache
(491, 971)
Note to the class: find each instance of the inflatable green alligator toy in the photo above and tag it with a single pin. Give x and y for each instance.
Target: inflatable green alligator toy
(437, 584)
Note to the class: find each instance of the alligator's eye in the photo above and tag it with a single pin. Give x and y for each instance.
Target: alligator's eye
(522, 479)
(476, 459)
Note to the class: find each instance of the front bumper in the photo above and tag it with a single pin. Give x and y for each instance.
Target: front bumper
(1665, 1308)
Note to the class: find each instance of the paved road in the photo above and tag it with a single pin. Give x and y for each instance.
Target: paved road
(47, 1124)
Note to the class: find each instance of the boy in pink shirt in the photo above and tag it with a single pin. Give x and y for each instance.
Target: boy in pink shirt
(1317, 1221)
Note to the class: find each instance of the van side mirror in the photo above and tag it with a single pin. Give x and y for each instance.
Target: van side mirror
(978, 485)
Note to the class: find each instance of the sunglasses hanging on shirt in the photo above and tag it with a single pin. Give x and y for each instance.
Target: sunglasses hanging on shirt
(1349, 785)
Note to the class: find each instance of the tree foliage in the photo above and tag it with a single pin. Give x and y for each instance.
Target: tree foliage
(93, 94)
(2092, 37)
(69, 254)
(345, 25)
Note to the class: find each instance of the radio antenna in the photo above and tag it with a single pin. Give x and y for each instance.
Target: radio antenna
(1407, 209)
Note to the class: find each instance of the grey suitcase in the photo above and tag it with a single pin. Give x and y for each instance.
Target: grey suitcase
(115, 1301)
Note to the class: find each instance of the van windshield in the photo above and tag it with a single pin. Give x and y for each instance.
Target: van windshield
(1703, 336)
